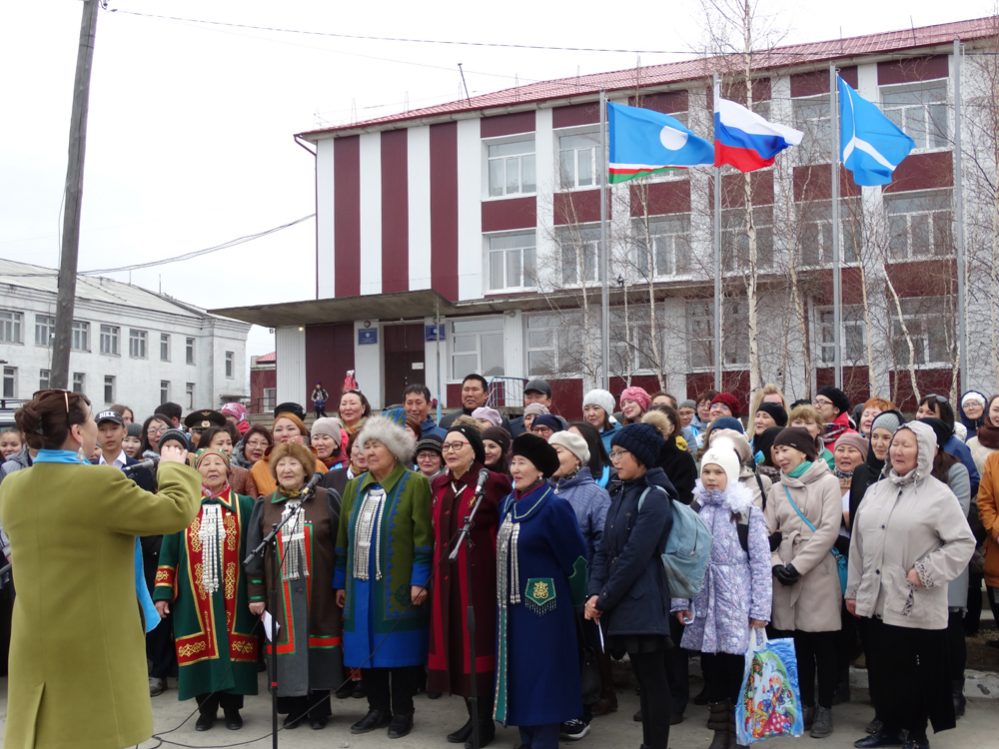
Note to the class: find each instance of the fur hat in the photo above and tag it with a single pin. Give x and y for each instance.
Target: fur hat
(572, 442)
(729, 400)
(800, 439)
(537, 450)
(776, 411)
(328, 425)
(638, 395)
(720, 455)
(292, 450)
(642, 440)
(474, 437)
(600, 397)
(399, 440)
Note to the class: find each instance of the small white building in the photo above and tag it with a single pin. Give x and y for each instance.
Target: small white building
(130, 345)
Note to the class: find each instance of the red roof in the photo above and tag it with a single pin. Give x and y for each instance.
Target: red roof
(674, 72)
(270, 358)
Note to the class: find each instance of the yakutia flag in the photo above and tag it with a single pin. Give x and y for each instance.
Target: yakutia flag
(872, 145)
(745, 140)
(643, 142)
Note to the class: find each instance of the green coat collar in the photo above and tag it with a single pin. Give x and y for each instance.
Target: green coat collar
(388, 484)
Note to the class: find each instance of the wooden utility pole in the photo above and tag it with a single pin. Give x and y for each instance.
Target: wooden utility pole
(62, 342)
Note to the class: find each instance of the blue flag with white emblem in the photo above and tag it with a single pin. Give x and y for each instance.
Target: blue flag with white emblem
(871, 145)
(643, 142)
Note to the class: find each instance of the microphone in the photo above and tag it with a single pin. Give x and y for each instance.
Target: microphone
(151, 455)
(313, 482)
(483, 478)
(142, 464)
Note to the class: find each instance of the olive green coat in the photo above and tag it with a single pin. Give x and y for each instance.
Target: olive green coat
(77, 673)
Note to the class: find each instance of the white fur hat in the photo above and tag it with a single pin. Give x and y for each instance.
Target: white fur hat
(399, 440)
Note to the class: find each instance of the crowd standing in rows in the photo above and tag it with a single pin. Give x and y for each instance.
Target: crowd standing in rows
(846, 529)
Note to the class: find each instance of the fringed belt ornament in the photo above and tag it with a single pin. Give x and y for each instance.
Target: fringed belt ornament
(508, 568)
(211, 534)
(369, 516)
(294, 564)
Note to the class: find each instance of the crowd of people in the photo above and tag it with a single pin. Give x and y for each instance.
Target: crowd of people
(413, 555)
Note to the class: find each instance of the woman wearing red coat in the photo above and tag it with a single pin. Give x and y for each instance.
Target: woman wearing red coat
(447, 661)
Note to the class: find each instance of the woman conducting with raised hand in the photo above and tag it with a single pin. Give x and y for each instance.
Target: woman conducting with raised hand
(77, 652)
(383, 557)
(448, 658)
(540, 577)
(910, 538)
(199, 580)
(805, 511)
(628, 588)
(308, 646)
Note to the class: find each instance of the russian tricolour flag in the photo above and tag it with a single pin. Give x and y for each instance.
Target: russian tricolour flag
(745, 140)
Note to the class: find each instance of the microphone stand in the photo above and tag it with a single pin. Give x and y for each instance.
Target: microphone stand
(466, 537)
(272, 665)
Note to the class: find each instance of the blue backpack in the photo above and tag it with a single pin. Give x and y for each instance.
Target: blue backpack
(688, 549)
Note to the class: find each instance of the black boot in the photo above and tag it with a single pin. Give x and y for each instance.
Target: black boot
(487, 727)
(461, 735)
(957, 693)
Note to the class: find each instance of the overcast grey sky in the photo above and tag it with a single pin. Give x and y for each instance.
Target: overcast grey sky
(190, 136)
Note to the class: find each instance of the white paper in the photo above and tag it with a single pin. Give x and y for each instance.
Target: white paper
(268, 621)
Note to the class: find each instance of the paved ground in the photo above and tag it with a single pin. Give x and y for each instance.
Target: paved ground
(435, 718)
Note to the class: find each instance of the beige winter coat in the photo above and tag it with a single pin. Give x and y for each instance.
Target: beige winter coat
(813, 603)
(907, 522)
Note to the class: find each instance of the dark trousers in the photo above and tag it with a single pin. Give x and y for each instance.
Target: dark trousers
(875, 674)
(993, 596)
(210, 702)
(390, 689)
(957, 647)
(973, 616)
(816, 653)
(316, 704)
(677, 668)
(723, 674)
(650, 670)
(539, 737)
(160, 651)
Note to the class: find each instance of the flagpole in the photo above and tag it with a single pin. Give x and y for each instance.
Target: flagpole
(834, 193)
(604, 253)
(717, 253)
(962, 312)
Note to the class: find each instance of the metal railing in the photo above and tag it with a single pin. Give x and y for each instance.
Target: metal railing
(506, 392)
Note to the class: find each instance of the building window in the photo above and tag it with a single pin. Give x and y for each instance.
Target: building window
(189, 350)
(44, 330)
(578, 162)
(665, 244)
(631, 349)
(920, 109)
(579, 250)
(230, 364)
(110, 335)
(81, 335)
(554, 344)
(701, 334)
(851, 336)
(11, 323)
(10, 382)
(137, 340)
(919, 224)
(44, 378)
(79, 382)
(512, 262)
(735, 238)
(811, 116)
(815, 237)
(930, 324)
(189, 394)
(510, 167)
(164, 391)
(164, 347)
(109, 389)
(477, 346)
(270, 400)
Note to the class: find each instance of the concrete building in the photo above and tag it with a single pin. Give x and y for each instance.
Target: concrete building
(130, 345)
(464, 237)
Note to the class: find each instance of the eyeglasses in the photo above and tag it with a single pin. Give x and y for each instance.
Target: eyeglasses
(823, 402)
(616, 454)
(452, 447)
(937, 398)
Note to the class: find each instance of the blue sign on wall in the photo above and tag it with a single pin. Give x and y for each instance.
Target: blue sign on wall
(433, 332)
(367, 336)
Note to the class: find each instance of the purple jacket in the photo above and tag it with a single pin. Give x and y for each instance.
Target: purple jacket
(737, 586)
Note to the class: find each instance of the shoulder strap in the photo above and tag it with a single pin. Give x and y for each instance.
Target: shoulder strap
(763, 493)
(742, 528)
(795, 507)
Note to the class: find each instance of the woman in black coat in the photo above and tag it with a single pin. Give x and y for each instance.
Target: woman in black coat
(678, 465)
(628, 591)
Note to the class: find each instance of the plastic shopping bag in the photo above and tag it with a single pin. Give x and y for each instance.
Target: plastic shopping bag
(770, 700)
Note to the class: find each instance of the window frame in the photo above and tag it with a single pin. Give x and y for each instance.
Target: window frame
(643, 256)
(190, 344)
(44, 323)
(926, 135)
(528, 278)
(138, 343)
(526, 139)
(852, 321)
(79, 382)
(110, 381)
(80, 335)
(164, 391)
(110, 339)
(44, 379)
(596, 163)
(230, 365)
(9, 375)
(730, 254)
(945, 195)
(456, 336)
(735, 355)
(573, 240)
(12, 327)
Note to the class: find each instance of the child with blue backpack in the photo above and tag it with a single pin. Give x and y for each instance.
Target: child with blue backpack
(736, 593)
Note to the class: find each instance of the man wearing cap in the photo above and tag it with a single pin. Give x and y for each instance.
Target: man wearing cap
(535, 391)
(198, 421)
(834, 407)
(111, 434)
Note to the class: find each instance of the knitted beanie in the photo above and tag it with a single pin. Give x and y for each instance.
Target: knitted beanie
(327, 425)
(637, 394)
(548, 420)
(729, 400)
(837, 396)
(854, 440)
(776, 411)
(888, 420)
(474, 437)
(599, 397)
(722, 455)
(800, 439)
(485, 413)
(572, 442)
(642, 440)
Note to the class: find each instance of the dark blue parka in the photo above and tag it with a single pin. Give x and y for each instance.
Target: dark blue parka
(627, 574)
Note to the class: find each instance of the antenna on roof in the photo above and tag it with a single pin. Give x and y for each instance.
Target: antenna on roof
(464, 85)
(913, 27)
